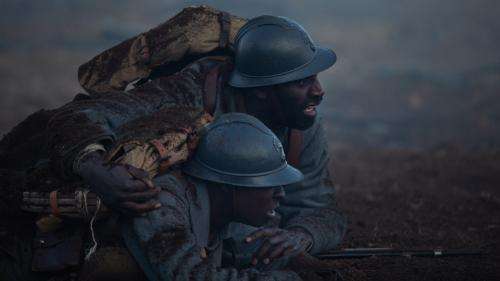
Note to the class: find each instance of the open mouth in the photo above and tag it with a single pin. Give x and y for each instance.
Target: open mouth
(271, 213)
(310, 110)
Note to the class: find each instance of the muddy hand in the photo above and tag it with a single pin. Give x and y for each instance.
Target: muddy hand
(121, 187)
(278, 243)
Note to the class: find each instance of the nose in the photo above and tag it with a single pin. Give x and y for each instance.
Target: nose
(317, 90)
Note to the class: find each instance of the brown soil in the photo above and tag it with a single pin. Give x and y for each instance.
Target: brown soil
(445, 198)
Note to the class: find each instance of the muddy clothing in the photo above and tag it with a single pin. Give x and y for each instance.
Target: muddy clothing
(309, 204)
(174, 243)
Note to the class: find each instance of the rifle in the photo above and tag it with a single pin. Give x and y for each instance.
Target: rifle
(352, 253)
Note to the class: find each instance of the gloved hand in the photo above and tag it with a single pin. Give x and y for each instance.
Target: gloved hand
(121, 187)
(279, 243)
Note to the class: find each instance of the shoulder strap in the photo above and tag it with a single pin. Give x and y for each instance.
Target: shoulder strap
(225, 27)
(213, 86)
(210, 90)
(295, 138)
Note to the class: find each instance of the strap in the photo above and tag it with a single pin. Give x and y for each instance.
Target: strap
(53, 203)
(160, 148)
(213, 97)
(295, 138)
(239, 102)
(225, 24)
(210, 88)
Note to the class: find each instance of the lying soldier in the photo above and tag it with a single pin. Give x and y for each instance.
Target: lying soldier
(274, 79)
(237, 175)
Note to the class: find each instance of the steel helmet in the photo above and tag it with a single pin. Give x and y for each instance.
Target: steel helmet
(272, 50)
(238, 149)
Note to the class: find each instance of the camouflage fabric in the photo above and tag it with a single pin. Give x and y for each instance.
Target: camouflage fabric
(141, 114)
(156, 154)
(194, 31)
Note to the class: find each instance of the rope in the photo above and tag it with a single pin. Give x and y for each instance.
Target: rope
(94, 241)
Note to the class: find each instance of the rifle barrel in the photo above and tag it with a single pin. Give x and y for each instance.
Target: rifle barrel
(388, 252)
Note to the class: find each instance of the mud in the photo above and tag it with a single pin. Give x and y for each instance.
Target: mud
(444, 198)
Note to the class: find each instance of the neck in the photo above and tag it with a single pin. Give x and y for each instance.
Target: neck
(220, 214)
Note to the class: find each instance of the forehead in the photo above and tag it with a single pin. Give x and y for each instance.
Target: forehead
(296, 82)
(257, 191)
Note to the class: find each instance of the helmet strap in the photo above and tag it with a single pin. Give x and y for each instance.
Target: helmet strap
(233, 197)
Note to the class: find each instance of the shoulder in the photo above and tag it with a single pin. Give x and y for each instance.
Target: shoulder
(315, 135)
(173, 182)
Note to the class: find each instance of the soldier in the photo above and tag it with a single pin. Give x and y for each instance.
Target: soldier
(239, 179)
(273, 78)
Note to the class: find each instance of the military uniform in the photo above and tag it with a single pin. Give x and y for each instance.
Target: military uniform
(309, 204)
(173, 242)
(203, 85)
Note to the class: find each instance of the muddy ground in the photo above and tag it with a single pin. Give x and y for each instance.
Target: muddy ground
(444, 198)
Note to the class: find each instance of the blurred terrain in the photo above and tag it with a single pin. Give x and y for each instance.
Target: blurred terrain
(443, 198)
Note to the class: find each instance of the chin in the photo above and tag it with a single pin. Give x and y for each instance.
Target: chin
(303, 123)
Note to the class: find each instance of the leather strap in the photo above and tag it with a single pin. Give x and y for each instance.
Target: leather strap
(53, 203)
(295, 138)
(225, 25)
(160, 148)
(210, 87)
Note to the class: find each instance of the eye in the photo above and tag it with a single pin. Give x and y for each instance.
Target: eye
(306, 81)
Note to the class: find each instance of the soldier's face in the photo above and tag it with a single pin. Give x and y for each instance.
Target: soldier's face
(298, 101)
(256, 206)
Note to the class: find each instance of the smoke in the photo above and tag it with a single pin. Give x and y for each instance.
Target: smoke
(379, 44)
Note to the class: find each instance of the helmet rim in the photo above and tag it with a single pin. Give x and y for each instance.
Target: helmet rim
(323, 59)
(284, 175)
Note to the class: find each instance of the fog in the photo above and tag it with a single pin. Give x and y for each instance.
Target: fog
(410, 73)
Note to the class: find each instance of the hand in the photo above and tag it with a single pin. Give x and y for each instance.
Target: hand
(278, 243)
(122, 187)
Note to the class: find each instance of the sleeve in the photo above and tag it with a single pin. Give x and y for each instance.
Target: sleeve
(96, 121)
(165, 247)
(311, 204)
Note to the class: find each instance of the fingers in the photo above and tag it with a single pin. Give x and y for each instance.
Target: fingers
(141, 196)
(136, 172)
(261, 253)
(273, 245)
(140, 175)
(277, 243)
(293, 250)
(263, 232)
(280, 250)
(135, 186)
(139, 208)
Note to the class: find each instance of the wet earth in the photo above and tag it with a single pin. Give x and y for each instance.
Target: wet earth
(442, 198)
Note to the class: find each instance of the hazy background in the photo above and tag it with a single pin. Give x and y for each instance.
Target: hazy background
(410, 73)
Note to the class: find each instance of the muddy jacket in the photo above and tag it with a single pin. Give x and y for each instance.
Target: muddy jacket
(172, 243)
(308, 204)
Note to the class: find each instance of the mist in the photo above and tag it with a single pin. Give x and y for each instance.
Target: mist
(410, 73)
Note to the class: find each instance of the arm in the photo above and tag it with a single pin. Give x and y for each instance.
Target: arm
(310, 205)
(166, 249)
(96, 121)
